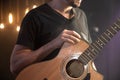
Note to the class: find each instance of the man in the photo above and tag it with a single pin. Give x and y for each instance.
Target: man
(45, 29)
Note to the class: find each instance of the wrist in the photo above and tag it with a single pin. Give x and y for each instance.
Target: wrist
(57, 43)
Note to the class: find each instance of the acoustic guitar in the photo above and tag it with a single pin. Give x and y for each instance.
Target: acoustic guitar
(73, 62)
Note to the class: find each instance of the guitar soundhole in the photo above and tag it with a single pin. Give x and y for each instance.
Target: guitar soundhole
(74, 68)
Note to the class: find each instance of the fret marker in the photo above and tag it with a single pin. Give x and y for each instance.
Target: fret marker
(108, 33)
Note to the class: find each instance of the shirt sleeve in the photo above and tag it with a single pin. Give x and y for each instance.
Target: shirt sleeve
(82, 18)
(27, 34)
(86, 23)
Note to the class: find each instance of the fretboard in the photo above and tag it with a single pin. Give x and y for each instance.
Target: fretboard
(94, 49)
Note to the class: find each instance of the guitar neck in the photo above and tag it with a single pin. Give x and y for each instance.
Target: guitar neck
(95, 48)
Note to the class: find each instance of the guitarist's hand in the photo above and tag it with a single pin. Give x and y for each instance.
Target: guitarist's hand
(67, 36)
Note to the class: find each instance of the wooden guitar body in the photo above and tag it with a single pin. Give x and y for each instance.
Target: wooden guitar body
(64, 66)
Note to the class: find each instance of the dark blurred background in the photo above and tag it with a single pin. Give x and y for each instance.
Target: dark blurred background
(100, 13)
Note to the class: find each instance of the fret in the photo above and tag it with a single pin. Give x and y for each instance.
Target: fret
(88, 54)
(81, 58)
(104, 38)
(92, 54)
(85, 57)
(96, 46)
(94, 49)
(108, 34)
(99, 44)
(114, 29)
(102, 42)
(117, 25)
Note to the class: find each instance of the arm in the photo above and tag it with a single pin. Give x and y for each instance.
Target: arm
(23, 56)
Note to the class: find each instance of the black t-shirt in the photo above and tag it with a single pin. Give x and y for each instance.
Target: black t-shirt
(43, 24)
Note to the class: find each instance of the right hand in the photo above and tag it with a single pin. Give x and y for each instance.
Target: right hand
(69, 36)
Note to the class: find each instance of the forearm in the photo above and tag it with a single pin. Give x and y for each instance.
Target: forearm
(45, 50)
(22, 58)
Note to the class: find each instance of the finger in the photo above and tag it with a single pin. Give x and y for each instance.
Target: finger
(74, 33)
(75, 39)
(68, 40)
(71, 37)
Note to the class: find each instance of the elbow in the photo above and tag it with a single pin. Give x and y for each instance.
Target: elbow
(14, 66)
(14, 69)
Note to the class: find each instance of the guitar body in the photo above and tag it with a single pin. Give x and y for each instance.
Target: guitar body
(63, 67)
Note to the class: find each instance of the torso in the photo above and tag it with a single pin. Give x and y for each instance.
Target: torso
(49, 24)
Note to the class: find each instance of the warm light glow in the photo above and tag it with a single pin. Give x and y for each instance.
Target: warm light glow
(27, 10)
(10, 18)
(34, 6)
(2, 26)
(18, 28)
